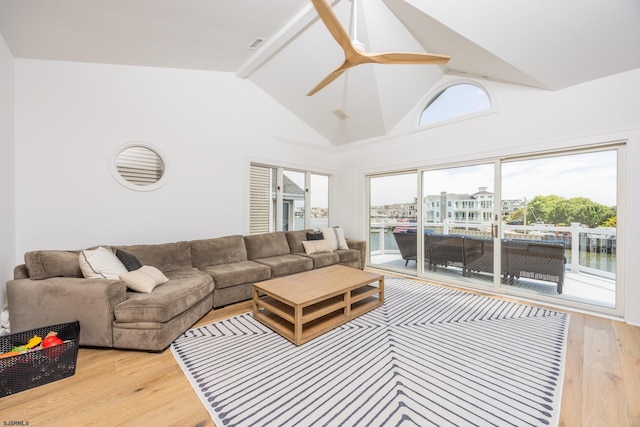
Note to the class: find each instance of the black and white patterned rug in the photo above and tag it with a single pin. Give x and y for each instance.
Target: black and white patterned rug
(428, 356)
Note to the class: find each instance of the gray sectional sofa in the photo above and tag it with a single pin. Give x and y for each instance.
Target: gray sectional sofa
(49, 288)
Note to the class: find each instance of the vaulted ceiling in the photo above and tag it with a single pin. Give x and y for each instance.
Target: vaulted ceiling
(548, 44)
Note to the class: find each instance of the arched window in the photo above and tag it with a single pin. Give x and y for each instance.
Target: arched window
(455, 101)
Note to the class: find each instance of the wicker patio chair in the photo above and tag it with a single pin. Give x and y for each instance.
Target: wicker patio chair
(479, 254)
(406, 241)
(407, 245)
(445, 250)
(536, 260)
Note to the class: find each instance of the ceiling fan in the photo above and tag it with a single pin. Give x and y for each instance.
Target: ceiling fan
(353, 50)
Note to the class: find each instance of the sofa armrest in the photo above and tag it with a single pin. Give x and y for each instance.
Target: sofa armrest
(360, 245)
(39, 303)
(20, 272)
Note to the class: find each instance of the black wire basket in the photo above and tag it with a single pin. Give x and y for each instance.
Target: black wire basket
(25, 371)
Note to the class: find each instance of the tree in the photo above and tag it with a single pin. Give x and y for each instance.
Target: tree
(541, 208)
(554, 209)
(611, 222)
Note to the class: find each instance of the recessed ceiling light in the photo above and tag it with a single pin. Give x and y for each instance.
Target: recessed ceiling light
(340, 113)
(254, 44)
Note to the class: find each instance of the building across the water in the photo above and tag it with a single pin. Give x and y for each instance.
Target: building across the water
(474, 208)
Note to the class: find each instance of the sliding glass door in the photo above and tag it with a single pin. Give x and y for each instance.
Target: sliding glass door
(458, 221)
(393, 221)
(560, 226)
(537, 226)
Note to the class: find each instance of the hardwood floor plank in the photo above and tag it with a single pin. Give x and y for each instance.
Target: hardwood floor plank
(605, 400)
(628, 342)
(571, 409)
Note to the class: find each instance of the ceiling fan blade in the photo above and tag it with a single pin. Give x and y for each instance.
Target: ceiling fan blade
(331, 21)
(404, 58)
(331, 77)
(354, 56)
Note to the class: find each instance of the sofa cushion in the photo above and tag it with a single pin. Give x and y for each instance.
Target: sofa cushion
(45, 264)
(144, 279)
(295, 239)
(220, 250)
(347, 255)
(237, 273)
(283, 265)
(184, 289)
(323, 259)
(165, 256)
(100, 263)
(267, 245)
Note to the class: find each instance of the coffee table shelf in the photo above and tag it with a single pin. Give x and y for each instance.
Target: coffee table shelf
(322, 308)
(363, 306)
(303, 306)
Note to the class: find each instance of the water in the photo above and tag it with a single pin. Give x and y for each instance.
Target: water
(315, 223)
(596, 260)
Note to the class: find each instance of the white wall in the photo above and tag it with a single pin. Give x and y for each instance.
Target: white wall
(527, 120)
(7, 179)
(71, 117)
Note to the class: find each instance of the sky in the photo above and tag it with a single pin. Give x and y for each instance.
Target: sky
(591, 175)
(457, 100)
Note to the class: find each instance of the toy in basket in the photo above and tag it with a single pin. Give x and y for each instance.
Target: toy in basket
(28, 360)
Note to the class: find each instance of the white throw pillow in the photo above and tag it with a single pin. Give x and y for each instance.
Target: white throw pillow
(316, 246)
(144, 279)
(100, 263)
(335, 237)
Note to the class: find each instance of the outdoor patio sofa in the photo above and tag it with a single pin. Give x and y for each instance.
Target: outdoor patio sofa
(50, 288)
(533, 259)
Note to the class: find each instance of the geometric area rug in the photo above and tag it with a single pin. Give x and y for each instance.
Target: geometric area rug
(428, 356)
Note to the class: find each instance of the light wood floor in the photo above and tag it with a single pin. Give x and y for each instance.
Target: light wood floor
(121, 388)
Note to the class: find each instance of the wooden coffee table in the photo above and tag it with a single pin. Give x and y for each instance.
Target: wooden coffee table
(302, 306)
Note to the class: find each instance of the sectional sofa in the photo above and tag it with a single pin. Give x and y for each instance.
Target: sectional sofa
(51, 288)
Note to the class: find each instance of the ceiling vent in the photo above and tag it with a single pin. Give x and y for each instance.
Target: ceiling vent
(254, 44)
(340, 113)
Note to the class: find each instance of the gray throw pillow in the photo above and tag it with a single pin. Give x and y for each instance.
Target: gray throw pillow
(315, 236)
(130, 261)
